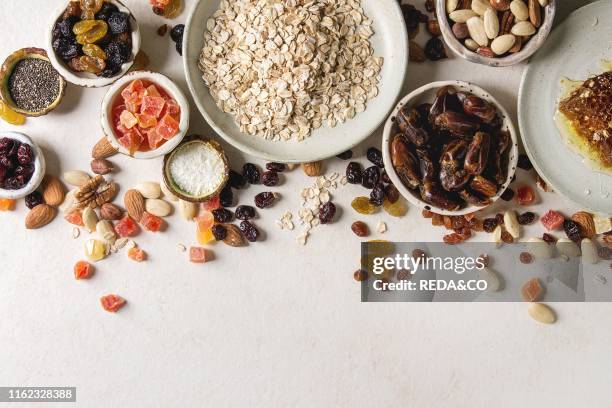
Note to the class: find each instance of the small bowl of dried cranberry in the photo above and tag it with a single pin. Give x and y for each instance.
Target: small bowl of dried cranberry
(93, 43)
(22, 165)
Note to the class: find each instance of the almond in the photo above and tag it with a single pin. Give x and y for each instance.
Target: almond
(477, 31)
(149, 189)
(461, 16)
(158, 207)
(188, 209)
(472, 45)
(416, 53)
(90, 219)
(313, 169)
(111, 212)
(543, 3)
(520, 10)
(234, 236)
(54, 191)
(491, 24)
(586, 224)
(39, 216)
(523, 29)
(542, 313)
(134, 204)
(451, 5)
(77, 178)
(480, 6)
(101, 166)
(502, 44)
(535, 13)
(103, 149)
(501, 5)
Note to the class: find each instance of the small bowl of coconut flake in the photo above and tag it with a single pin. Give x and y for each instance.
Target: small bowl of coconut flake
(196, 170)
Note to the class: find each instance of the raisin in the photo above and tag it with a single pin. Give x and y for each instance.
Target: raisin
(219, 232)
(33, 199)
(87, 64)
(434, 49)
(177, 33)
(25, 155)
(572, 230)
(489, 224)
(15, 183)
(430, 6)
(476, 224)
(452, 239)
(363, 206)
(277, 167)
(499, 218)
(245, 212)
(251, 173)
(549, 238)
(327, 212)
(118, 52)
(118, 23)
(3, 174)
(345, 155)
(65, 26)
(360, 275)
(524, 162)
(250, 232)
(360, 229)
(162, 30)
(179, 47)
(375, 156)
(397, 209)
(506, 237)
(269, 178)
(384, 177)
(371, 176)
(392, 193)
(226, 197)
(377, 195)
(265, 199)
(222, 215)
(526, 257)
(106, 10)
(110, 71)
(66, 49)
(507, 195)
(526, 218)
(353, 173)
(26, 170)
(236, 180)
(93, 50)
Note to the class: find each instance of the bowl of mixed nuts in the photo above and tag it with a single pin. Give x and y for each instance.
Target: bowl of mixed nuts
(497, 33)
(449, 147)
(92, 43)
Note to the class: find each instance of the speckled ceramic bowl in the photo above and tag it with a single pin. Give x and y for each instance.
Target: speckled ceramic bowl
(167, 85)
(86, 79)
(172, 185)
(427, 93)
(7, 70)
(39, 168)
(531, 47)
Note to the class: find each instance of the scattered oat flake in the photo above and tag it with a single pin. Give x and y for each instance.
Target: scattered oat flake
(120, 243)
(130, 244)
(381, 227)
(182, 247)
(75, 232)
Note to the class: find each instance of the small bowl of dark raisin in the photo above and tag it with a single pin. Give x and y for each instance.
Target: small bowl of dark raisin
(22, 165)
(92, 43)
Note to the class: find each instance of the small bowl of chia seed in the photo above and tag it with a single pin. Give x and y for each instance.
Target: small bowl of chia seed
(29, 84)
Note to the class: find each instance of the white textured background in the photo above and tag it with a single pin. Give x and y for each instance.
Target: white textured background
(272, 324)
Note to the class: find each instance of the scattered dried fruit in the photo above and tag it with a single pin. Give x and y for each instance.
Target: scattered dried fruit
(265, 199)
(572, 230)
(83, 270)
(137, 254)
(360, 229)
(197, 255)
(532, 290)
(112, 303)
(525, 195)
(585, 223)
(327, 212)
(234, 236)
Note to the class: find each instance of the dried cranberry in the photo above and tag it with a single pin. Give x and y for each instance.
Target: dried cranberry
(508, 194)
(353, 173)
(371, 175)
(14, 148)
(524, 162)
(3, 173)
(265, 199)
(434, 49)
(7, 162)
(250, 232)
(5, 145)
(219, 232)
(245, 212)
(392, 193)
(375, 156)
(345, 155)
(489, 224)
(269, 178)
(226, 197)
(15, 183)
(34, 199)
(222, 215)
(549, 238)
(24, 170)
(527, 218)
(251, 173)
(277, 167)
(377, 195)
(572, 230)
(327, 212)
(236, 180)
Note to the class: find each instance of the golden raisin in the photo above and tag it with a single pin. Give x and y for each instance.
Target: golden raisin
(363, 206)
(396, 209)
(94, 51)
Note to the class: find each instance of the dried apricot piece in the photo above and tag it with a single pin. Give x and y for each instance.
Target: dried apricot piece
(552, 220)
(204, 224)
(167, 127)
(137, 254)
(126, 227)
(6, 204)
(525, 195)
(152, 105)
(10, 116)
(83, 270)
(532, 290)
(75, 218)
(112, 303)
(151, 222)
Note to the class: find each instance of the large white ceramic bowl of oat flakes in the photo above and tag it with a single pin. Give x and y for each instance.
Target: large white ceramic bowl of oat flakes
(390, 41)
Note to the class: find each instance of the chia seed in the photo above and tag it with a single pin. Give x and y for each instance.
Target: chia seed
(34, 84)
